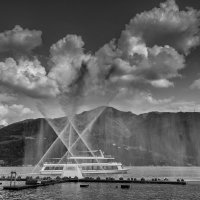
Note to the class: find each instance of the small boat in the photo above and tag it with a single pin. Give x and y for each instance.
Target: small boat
(84, 185)
(125, 186)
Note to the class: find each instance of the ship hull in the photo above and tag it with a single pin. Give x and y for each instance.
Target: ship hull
(88, 172)
(96, 172)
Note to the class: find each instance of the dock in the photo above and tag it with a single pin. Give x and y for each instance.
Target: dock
(19, 187)
(131, 181)
(33, 183)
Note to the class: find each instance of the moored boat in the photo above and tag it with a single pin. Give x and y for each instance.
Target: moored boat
(82, 166)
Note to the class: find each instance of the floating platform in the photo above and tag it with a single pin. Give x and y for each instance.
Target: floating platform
(19, 187)
(22, 187)
(30, 186)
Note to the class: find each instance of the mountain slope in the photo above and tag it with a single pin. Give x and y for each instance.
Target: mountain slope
(147, 139)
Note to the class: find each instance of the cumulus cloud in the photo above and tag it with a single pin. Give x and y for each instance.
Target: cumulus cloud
(161, 64)
(149, 53)
(28, 77)
(70, 46)
(129, 61)
(167, 25)
(150, 99)
(142, 102)
(195, 84)
(139, 101)
(162, 83)
(182, 106)
(67, 57)
(19, 39)
(12, 113)
(5, 97)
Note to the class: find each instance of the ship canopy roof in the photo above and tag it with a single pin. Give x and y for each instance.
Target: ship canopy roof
(89, 157)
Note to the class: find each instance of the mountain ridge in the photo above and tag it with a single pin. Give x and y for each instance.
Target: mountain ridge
(154, 138)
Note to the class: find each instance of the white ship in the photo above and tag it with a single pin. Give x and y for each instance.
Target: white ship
(82, 166)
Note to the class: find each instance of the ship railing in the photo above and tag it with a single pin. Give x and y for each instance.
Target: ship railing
(108, 156)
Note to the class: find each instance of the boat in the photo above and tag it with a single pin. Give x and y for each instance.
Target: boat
(84, 165)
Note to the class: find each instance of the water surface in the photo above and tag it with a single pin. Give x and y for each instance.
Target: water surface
(109, 191)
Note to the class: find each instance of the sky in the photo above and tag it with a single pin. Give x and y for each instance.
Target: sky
(63, 57)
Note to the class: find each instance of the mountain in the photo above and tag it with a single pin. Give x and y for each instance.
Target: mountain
(1, 126)
(147, 139)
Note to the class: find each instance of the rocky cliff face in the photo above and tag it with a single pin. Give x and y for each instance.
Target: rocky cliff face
(147, 139)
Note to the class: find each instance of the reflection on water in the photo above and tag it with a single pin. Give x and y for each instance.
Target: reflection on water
(99, 191)
(109, 191)
(172, 173)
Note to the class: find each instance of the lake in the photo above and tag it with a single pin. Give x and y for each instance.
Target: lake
(108, 191)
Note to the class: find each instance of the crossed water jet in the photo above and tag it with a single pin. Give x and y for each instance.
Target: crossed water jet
(83, 132)
(55, 130)
(90, 124)
(62, 139)
(80, 136)
(69, 146)
(70, 131)
(50, 148)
